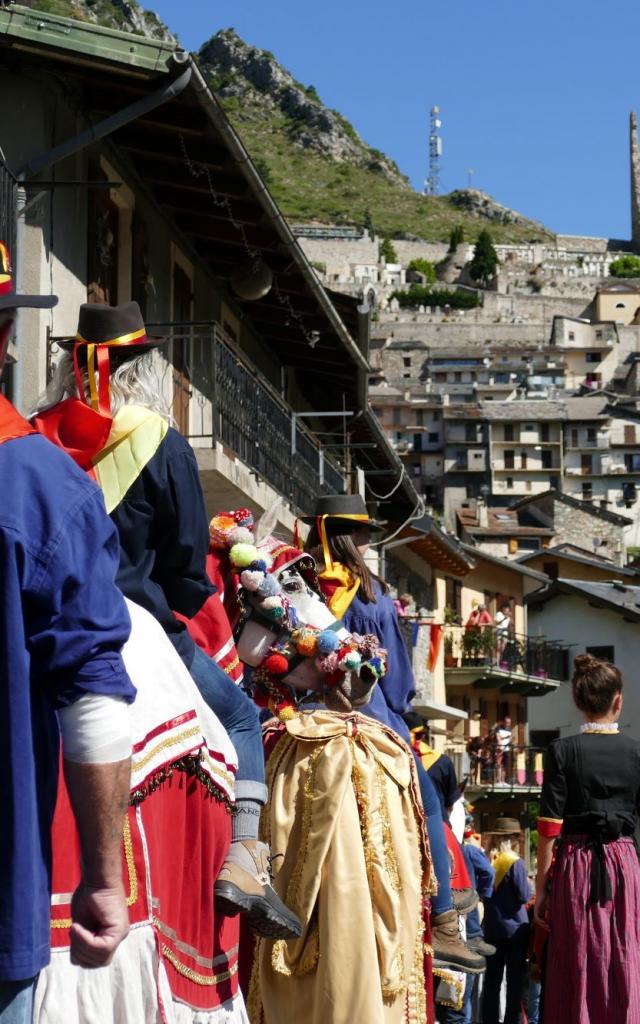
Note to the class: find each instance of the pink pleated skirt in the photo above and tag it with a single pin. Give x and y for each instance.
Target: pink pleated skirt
(593, 955)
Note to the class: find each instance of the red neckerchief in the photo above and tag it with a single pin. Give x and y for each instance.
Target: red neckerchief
(12, 424)
(76, 428)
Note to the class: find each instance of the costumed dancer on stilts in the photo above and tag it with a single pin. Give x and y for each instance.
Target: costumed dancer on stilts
(338, 540)
(104, 408)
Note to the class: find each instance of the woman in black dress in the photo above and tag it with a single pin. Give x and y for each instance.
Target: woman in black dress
(589, 901)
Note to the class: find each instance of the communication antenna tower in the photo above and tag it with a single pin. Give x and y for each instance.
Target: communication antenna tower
(432, 184)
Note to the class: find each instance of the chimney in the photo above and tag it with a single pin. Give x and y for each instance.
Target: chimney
(483, 515)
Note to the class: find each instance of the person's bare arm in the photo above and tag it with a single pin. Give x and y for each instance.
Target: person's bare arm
(545, 855)
(99, 796)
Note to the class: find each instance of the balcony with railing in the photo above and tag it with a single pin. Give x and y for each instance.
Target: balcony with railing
(487, 658)
(218, 397)
(487, 768)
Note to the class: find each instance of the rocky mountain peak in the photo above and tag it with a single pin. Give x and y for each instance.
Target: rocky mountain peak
(247, 74)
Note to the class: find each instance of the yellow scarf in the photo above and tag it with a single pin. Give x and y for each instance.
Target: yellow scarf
(339, 586)
(502, 863)
(136, 435)
(428, 756)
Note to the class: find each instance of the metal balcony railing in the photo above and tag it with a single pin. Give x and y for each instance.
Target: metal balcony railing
(217, 395)
(486, 647)
(487, 766)
(234, 404)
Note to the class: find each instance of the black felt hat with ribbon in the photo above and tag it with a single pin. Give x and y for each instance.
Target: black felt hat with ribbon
(102, 329)
(350, 508)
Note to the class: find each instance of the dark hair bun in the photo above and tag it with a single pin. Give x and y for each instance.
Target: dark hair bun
(586, 662)
(595, 684)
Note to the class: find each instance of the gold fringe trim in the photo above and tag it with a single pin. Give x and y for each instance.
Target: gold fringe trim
(169, 741)
(194, 976)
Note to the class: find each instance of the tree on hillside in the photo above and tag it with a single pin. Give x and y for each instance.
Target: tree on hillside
(386, 251)
(485, 260)
(424, 267)
(625, 266)
(456, 237)
(368, 223)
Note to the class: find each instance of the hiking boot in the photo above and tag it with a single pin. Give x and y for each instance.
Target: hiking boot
(448, 948)
(478, 945)
(464, 900)
(244, 887)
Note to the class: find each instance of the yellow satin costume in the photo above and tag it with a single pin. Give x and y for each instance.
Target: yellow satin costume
(345, 810)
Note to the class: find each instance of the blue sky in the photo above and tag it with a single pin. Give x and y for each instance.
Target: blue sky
(535, 98)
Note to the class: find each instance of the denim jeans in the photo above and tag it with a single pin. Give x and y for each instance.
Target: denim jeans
(239, 716)
(16, 1001)
(435, 828)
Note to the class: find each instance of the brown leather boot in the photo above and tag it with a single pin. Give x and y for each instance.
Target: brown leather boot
(464, 900)
(448, 948)
(244, 886)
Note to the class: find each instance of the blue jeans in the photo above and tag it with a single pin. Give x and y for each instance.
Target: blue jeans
(239, 716)
(474, 928)
(439, 853)
(16, 1001)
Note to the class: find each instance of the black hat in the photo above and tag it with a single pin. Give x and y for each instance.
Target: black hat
(348, 507)
(114, 326)
(9, 298)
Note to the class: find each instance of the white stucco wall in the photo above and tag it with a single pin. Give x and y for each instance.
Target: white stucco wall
(572, 620)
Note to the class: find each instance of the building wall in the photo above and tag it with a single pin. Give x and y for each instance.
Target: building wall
(571, 570)
(617, 306)
(574, 621)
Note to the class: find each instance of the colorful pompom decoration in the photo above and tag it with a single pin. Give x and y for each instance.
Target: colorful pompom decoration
(328, 641)
(242, 555)
(219, 528)
(306, 643)
(261, 564)
(243, 517)
(251, 580)
(352, 661)
(268, 587)
(276, 664)
(240, 535)
(328, 663)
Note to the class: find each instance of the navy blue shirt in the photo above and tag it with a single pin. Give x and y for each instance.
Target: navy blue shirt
(164, 538)
(505, 911)
(393, 695)
(62, 625)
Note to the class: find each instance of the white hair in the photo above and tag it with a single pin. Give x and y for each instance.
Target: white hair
(135, 382)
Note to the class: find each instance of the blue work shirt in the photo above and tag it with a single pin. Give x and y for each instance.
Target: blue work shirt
(505, 911)
(480, 869)
(63, 623)
(164, 538)
(393, 694)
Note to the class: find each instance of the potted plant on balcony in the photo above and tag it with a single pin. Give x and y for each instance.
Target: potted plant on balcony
(451, 619)
(471, 641)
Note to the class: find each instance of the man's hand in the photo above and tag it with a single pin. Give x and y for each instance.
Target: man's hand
(100, 923)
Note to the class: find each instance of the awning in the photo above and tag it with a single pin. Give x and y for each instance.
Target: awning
(433, 709)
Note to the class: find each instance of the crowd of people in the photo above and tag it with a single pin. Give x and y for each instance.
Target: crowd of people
(71, 551)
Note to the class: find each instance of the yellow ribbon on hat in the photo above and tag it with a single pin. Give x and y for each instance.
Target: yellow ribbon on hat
(99, 381)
